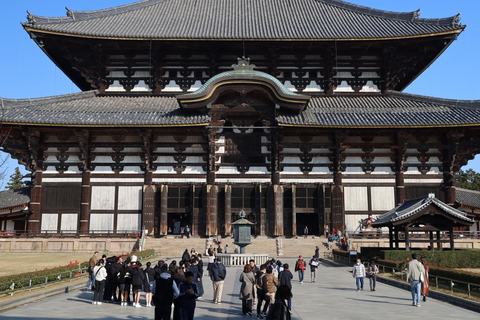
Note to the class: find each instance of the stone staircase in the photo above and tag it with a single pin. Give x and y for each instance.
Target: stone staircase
(291, 247)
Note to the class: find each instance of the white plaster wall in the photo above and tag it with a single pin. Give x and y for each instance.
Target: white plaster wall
(49, 222)
(129, 222)
(103, 198)
(69, 222)
(383, 198)
(130, 198)
(101, 222)
(10, 225)
(352, 221)
(228, 170)
(356, 198)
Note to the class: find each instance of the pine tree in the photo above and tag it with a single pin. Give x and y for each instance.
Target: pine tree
(16, 180)
(469, 179)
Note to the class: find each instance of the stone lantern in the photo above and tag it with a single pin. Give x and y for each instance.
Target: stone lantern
(242, 232)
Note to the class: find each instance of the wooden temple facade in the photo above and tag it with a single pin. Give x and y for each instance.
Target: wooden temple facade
(175, 127)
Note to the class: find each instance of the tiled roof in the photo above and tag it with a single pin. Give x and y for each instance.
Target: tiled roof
(244, 19)
(90, 109)
(411, 207)
(467, 197)
(395, 109)
(13, 198)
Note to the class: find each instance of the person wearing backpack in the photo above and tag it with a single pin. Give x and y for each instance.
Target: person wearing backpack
(272, 284)
(300, 268)
(166, 291)
(218, 273)
(313, 268)
(262, 289)
(279, 310)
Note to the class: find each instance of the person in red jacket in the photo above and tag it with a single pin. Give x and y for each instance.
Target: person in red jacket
(300, 267)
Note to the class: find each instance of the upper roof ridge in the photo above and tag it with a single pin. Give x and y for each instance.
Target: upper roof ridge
(72, 15)
(12, 103)
(471, 104)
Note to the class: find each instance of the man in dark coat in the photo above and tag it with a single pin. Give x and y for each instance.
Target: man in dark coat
(218, 272)
(186, 256)
(285, 279)
(166, 291)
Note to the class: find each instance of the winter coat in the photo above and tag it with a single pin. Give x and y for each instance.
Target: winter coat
(424, 289)
(100, 273)
(217, 268)
(272, 283)
(186, 256)
(138, 276)
(248, 284)
(358, 270)
(285, 278)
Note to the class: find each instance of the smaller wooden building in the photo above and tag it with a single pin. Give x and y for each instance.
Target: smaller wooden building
(422, 215)
(14, 210)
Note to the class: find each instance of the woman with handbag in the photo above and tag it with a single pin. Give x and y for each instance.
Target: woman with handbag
(372, 272)
(247, 278)
(424, 289)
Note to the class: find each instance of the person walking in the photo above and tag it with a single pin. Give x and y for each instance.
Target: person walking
(272, 284)
(200, 276)
(187, 231)
(279, 310)
(247, 278)
(300, 268)
(186, 256)
(305, 232)
(330, 242)
(218, 273)
(285, 279)
(188, 295)
(359, 274)
(372, 272)
(317, 252)
(415, 273)
(424, 288)
(313, 268)
(100, 274)
(166, 291)
(262, 289)
(91, 276)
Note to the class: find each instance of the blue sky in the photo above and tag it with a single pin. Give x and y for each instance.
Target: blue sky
(28, 73)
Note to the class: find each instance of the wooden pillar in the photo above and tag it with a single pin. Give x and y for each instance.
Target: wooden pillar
(148, 210)
(400, 187)
(261, 214)
(294, 210)
(163, 230)
(194, 228)
(449, 187)
(338, 213)
(278, 210)
(407, 240)
(228, 210)
(431, 241)
(452, 242)
(439, 242)
(211, 223)
(85, 197)
(397, 245)
(390, 237)
(34, 221)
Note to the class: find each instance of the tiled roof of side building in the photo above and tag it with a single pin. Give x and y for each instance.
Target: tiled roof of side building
(467, 197)
(90, 109)
(244, 19)
(394, 110)
(13, 198)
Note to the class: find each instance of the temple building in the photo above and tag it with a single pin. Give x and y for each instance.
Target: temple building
(192, 111)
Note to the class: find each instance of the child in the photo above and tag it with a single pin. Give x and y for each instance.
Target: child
(188, 295)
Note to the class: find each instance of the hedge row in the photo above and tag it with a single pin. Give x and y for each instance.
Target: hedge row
(458, 258)
(38, 277)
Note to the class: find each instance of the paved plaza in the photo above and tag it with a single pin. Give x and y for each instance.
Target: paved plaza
(333, 296)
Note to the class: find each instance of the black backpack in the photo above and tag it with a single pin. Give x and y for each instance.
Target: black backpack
(163, 291)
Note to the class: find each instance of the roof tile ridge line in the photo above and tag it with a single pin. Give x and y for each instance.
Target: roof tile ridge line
(73, 15)
(468, 190)
(33, 102)
(474, 104)
(404, 16)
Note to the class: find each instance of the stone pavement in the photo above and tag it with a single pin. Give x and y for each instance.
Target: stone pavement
(333, 296)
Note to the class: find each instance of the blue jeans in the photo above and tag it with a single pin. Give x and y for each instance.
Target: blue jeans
(300, 275)
(91, 279)
(415, 285)
(359, 281)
